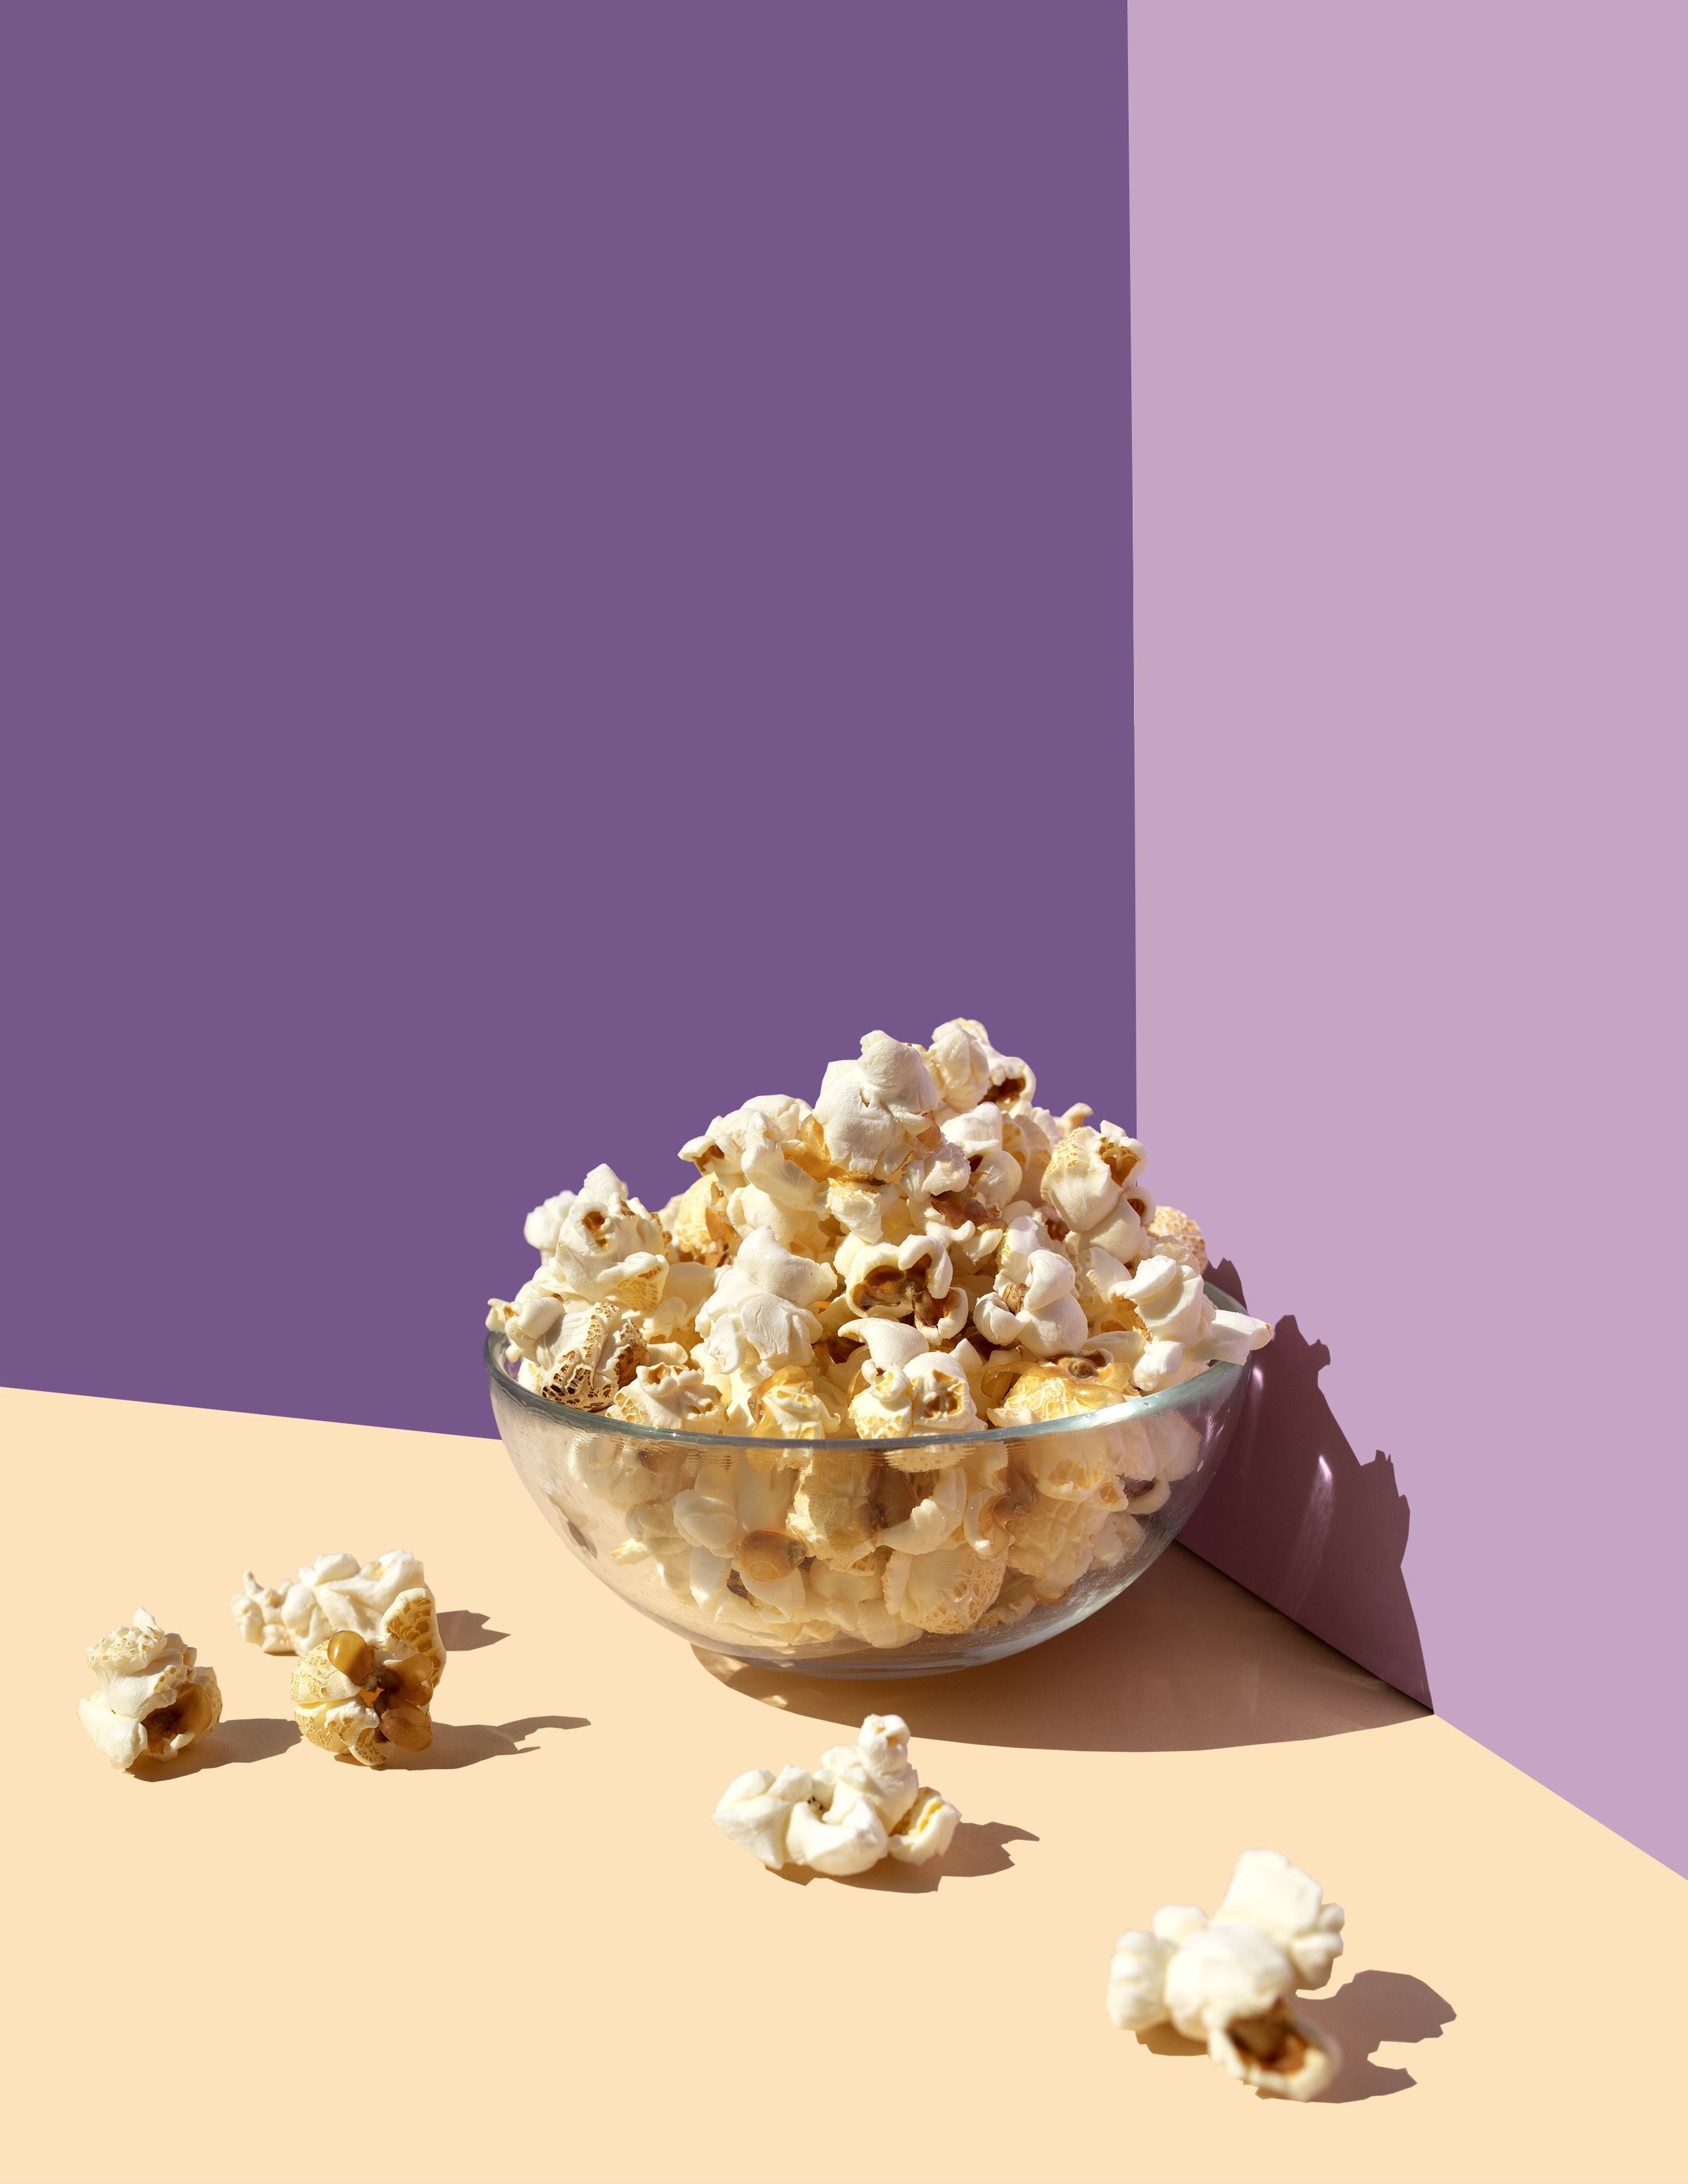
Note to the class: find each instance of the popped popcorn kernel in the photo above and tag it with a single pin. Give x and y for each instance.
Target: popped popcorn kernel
(365, 1701)
(861, 1802)
(1230, 1982)
(152, 1702)
(387, 1601)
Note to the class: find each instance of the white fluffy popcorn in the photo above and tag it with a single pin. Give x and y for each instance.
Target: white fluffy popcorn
(874, 1112)
(609, 1250)
(924, 1256)
(759, 1314)
(755, 1810)
(1035, 1304)
(386, 1602)
(541, 1226)
(862, 1802)
(680, 1398)
(153, 1702)
(1227, 1982)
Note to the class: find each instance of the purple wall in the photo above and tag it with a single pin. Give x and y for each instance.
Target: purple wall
(1409, 364)
(562, 563)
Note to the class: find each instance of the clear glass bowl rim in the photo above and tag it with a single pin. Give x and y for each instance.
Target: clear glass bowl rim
(1135, 1406)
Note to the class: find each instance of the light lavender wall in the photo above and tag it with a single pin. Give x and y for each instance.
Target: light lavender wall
(1409, 374)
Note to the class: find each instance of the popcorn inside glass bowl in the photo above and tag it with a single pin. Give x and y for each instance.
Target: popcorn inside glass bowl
(924, 1256)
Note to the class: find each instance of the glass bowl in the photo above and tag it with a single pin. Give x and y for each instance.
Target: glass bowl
(1067, 1513)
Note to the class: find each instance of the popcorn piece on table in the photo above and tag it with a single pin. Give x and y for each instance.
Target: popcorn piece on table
(1228, 1981)
(363, 1702)
(152, 1702)
(386, 1602)
(861, 1802)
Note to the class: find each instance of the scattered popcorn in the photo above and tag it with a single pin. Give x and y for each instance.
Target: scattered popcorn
(152, 1702)
(1227, 1981)
(863, 1801)
(362, 1701)
(386, 1602)
(925, 1254)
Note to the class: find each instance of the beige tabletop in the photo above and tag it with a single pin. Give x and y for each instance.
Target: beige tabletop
(530, 1957)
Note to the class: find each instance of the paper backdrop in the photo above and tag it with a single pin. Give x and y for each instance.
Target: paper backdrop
(568, 563)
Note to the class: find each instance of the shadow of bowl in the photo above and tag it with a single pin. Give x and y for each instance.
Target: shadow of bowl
(1185, 1660)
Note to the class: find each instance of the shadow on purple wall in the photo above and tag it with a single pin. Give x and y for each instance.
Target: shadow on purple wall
(1295, 1516)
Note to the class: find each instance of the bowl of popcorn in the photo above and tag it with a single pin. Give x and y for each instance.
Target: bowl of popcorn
(909, 1379)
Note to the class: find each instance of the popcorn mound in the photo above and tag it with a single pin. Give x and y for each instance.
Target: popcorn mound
(925, 1252)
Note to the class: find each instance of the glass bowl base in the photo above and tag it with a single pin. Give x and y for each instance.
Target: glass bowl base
(1083, 1503)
